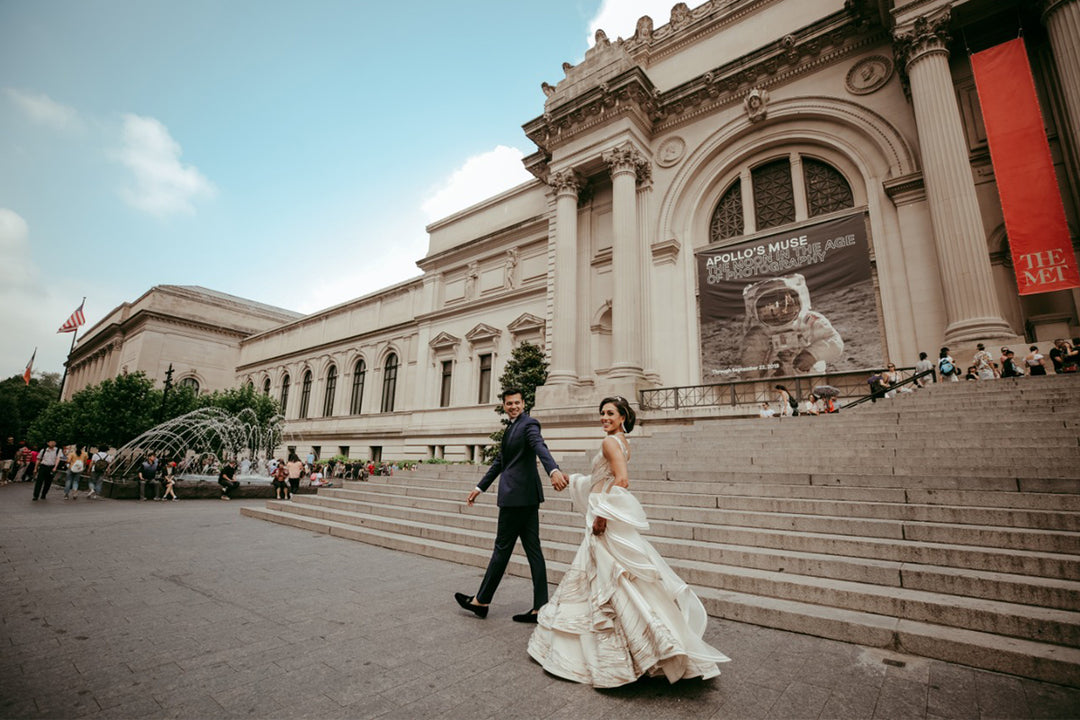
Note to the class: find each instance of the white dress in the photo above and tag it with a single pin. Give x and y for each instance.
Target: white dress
(620, 611)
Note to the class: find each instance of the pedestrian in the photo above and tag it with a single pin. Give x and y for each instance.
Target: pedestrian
(1009, 367)
(77, 460)
(48, 462)
(519, 498)
(984, 363)
(226, 479)
(923, 366)
(99, 463)
(148, 475)
(947, 366)
(280, 482)
(170, 481)
(295, 469)
(7, 460)
(1035, 361)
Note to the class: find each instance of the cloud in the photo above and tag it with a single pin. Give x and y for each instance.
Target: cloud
(480, 177)
(163, 185)
(618, 18)
(29, 312)
(44, 110)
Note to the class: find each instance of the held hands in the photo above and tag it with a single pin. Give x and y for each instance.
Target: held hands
(558, 480)
(599, 526)
(472, 496)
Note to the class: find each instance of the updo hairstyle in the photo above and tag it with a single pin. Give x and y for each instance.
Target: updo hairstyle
(623, 408)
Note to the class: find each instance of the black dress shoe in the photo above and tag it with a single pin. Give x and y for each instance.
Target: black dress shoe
(466, 602)
(529, 617)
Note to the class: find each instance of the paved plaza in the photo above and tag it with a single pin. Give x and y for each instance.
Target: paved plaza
(123, 609)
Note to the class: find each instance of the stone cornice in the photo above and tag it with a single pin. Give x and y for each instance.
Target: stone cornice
(330, 346)
(136, 322)
(500, 299)
(633, 94)
(515, 234)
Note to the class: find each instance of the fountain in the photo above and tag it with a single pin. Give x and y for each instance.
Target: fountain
(200, 441)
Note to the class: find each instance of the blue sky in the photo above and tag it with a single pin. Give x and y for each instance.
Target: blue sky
(287, 152)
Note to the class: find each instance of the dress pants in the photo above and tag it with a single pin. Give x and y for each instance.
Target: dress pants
(514, 523)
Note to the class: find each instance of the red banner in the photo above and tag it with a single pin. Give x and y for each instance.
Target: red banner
(1042, 252)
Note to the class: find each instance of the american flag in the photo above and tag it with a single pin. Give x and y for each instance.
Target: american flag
(77, 318)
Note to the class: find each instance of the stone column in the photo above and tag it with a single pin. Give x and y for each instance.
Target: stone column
(626, 263)
(746, 191)
(960, 240)
(564, 371)
(1062, 20)
(798, 186)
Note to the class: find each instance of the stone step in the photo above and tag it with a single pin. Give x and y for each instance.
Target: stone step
(565, 527)
(896, 510)
(705, 520)
(1037, 660)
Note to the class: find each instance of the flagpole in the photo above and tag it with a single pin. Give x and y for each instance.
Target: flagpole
(74, 335)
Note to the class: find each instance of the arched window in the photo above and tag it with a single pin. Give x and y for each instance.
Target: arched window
(331, 388)
(190, 382)
(775, 201)
(251, 386)
(305, 395)
(727, 220)
(266, 387)
(284, 393)
(356, 402)
(826, 189)
(774, 196)
(389, 383)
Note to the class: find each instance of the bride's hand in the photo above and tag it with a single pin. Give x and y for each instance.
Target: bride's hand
(599, 526)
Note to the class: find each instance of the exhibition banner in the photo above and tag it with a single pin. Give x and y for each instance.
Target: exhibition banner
(801, 302)
(1042, 252)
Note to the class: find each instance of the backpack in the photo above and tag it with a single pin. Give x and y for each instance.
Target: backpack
(946, 367)
(101, 465)
(77, 467)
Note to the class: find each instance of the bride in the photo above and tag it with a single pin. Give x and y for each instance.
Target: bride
(620, 611)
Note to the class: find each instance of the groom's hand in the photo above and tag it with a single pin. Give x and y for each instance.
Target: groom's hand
(472, 496)
(558, 480)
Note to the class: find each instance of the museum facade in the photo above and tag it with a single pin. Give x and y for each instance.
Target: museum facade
(754, 187)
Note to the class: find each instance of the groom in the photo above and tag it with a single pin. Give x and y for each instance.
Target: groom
(520, 495)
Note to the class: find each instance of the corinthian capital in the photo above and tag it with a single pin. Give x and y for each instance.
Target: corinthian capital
(565, 182)
(926, 36)
(626, 159)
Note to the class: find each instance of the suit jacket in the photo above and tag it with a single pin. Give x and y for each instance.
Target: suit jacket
(520, 485)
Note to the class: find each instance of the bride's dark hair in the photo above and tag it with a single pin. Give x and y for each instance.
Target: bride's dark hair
(627, 412)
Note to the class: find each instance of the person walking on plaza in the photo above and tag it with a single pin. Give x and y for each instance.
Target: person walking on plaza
(7, 460)
(620, 612)
(226, 481)
(77, 460)
(48, 461)
(99, 463)
(519, 498)
(148, 475)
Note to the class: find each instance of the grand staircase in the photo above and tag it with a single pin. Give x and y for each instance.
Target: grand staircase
(943, 523)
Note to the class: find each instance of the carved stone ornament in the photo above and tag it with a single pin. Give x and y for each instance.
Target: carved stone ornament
(626, 158)
(756, 104)
(644, 28)
(565, 181)
(869, 75)
(927, 35)
(671, 151)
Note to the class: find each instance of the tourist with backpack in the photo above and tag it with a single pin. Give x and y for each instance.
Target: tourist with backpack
(99, 463)
(77, 462)
(947, 367)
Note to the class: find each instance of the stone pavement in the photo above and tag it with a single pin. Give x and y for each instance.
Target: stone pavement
(188, 610)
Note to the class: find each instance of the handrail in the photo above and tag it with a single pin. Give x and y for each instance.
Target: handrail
(753, 392)
(873, 396)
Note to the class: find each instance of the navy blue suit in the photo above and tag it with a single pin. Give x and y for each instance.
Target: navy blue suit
(520, 494)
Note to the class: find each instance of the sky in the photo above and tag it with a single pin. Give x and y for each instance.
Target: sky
(289, 152)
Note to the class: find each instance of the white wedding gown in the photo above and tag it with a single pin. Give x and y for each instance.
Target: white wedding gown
(620, 611)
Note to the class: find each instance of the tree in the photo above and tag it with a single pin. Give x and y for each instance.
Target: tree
(21, 404)
(109, 413)
(527, 369)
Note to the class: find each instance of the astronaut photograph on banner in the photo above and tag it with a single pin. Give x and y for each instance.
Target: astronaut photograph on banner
(800, 303)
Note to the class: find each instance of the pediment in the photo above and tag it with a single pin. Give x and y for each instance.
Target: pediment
(483, 333)
(444, 341)
(526, 322)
